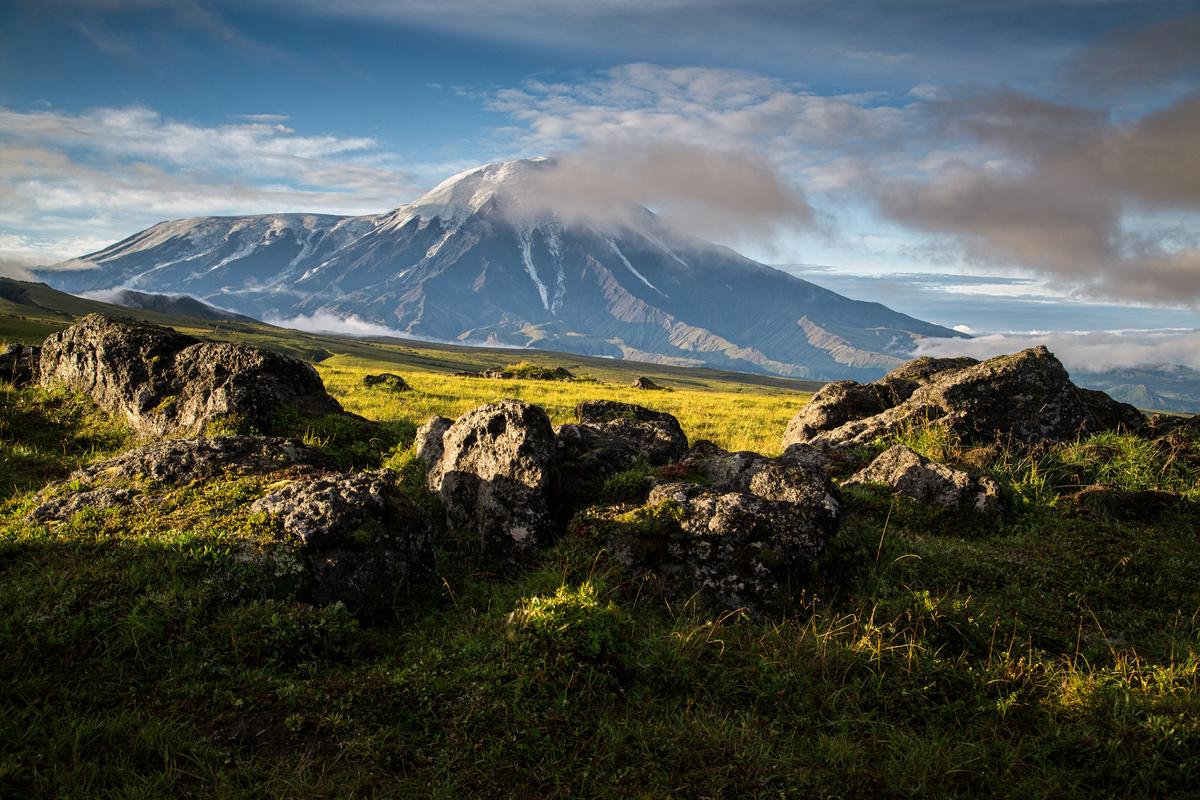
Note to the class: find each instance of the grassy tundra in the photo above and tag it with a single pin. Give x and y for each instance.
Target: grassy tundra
(1054, 652)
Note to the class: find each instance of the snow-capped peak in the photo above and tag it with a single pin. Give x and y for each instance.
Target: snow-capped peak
(459, 196)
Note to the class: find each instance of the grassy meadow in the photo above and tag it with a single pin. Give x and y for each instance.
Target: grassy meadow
(1053, 651)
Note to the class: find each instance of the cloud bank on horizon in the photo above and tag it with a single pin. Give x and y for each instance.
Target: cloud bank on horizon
(1066, 148)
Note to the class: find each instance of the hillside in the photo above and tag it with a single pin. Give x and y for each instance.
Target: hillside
(158, 644)
(477, 259)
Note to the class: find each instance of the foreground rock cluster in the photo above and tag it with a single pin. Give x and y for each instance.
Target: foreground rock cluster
(740, 529)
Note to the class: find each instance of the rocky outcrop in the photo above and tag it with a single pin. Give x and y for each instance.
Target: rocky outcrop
(365, 544)
(19, 363)
(657, 435)
(64, 506)
(171, 462)
(909, 473)
(386, 381)
(745, 538)
(495, 477)
(642, 382)
(167, 383)
(428, 447)
(1026, 397)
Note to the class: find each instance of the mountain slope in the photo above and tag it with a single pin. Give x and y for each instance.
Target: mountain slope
(477, 260)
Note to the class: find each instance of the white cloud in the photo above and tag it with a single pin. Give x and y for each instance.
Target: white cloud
(326, 322)
(98, 176)
(1085, 351)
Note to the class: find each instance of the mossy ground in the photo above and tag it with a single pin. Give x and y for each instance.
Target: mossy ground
(1046, 654)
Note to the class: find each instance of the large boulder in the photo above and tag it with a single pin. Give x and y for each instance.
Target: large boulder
(909, 473)
(608, 438)
(167, 383)
(656, 435)
(171, 462)
(19, 363)
(364, 543)
(839, 402)
(744, 538)
(495, 477)
(1026, 397)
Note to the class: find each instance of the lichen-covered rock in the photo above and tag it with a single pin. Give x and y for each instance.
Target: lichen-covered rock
(745, 540)
(64, 506)
(737, 471)
(428, 447)
(495, 478)
(909, 473)
(167, 383)
(1026, 397)
(611, 437)
(657, 435)
(19, 363)
(366, 545)
(387, 381)
(171, 462)
(840, 402)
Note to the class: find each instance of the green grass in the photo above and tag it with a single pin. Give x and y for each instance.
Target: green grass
(142, 654)
(160, 650)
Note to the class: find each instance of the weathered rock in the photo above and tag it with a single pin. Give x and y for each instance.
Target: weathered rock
(172, 462)
(164, 382)
(65, 506)
(1026, 397)
(386, 380)
(840, 402)
(1159, 425)
(428, 447)
(19, 363)
(746, 537)
(495, 478)
(365, 544)
(909, 473)
(642, 382)
(611, 437)
(737, 471)
(656, 434)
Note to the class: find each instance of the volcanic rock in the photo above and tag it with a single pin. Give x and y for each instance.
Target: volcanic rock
(165, 382)
(495, 477)
(366, 545)
(909, 473)
(1026, 397)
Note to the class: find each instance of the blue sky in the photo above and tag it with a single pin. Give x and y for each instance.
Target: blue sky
(1056, 142)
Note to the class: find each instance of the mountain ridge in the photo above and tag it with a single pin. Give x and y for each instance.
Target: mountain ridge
(481, 258)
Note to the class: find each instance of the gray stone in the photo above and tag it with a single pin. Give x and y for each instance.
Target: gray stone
(657, 435)
(1026, 398)
(428, 447)
(909, 473)
(167, 383)
(366, 545)
(745, 540)
(65, 506)
(172, 462)
(495, 478)
(19, 363)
